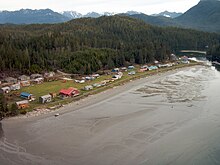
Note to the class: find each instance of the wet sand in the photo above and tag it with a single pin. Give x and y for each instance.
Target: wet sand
(171, 118)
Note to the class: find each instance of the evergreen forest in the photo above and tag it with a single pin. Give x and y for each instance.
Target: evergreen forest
(86, 45)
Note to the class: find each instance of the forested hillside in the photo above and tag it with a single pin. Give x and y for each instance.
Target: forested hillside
(87, 45)
(204, 16)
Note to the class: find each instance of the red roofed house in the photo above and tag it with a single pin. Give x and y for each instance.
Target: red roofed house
(69, 92)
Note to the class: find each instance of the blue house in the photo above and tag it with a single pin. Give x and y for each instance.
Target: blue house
(26, 95)
(131, 67)
(115, 70)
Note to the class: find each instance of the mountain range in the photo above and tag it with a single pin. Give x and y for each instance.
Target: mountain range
(204, 16)
(28, 16)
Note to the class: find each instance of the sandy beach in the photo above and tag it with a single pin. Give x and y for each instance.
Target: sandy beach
(169, 118)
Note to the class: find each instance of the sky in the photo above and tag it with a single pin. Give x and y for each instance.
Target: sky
(116, 6)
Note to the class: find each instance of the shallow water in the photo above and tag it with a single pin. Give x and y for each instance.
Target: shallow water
(167, 119)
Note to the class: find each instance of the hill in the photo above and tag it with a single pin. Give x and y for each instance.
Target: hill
(204, 16)
(89, 44)
(155, 20)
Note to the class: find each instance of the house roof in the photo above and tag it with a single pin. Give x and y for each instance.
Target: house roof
(10, 79)
(67, 91)
(46, 96)
(23, 76)
(5, 88)
(25, 94)
(22, 102)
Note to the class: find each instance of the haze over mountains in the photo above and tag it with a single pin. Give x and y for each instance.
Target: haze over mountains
(203, 16)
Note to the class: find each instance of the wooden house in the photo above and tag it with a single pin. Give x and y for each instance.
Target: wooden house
(88, 87)
(49, 74)
(25, 83)
(22, 104)
(23, 78)
(131, 67)
(53, 95)
(115, 70)
(64, 93)
(35, 76)
(38, 80)
(10, 80)
(45, 99)
(5, 90)
(15, 87)
(26, 95)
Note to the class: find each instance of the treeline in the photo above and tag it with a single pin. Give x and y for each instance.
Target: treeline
(214, 53)
(87, 45)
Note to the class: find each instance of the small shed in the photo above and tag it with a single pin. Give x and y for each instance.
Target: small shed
(45, 99)
(124, 69)
(38, 80)
(23, 78)
(132, 73)
(115, 70)
(88, 87)
(35, 76)
(25, 83)
(49, 74)
(5, 90)
(53, 95)
(22, 104)
(152, 67)
(10, 80)
(96, 75)
(131, 67)
(26, 95)
(15, 87)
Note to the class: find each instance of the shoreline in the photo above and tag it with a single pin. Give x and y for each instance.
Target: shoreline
(92, 99)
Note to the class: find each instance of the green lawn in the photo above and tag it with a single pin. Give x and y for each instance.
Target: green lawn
(55, 86)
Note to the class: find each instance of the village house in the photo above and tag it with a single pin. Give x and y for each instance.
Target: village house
(53, 95)
(26, 95)
(65, 93)
(152, 67)
(38, 80)
(5, 90)
(173, 57)
(97, 85)
(35, 76)
(23, 78)
(89, 78)
(15, 87)
(25, 83)
(49, 74)
(124, 69)
(45, 99)
(88, 87)
(143, 68)
(115, 70)
(10, 80)
(131, 67)
(96, 75)
(22, 104)
(80, 81)
(117, 76)
(132, 73)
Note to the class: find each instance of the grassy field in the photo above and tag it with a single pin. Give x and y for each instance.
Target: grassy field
(55, 86)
